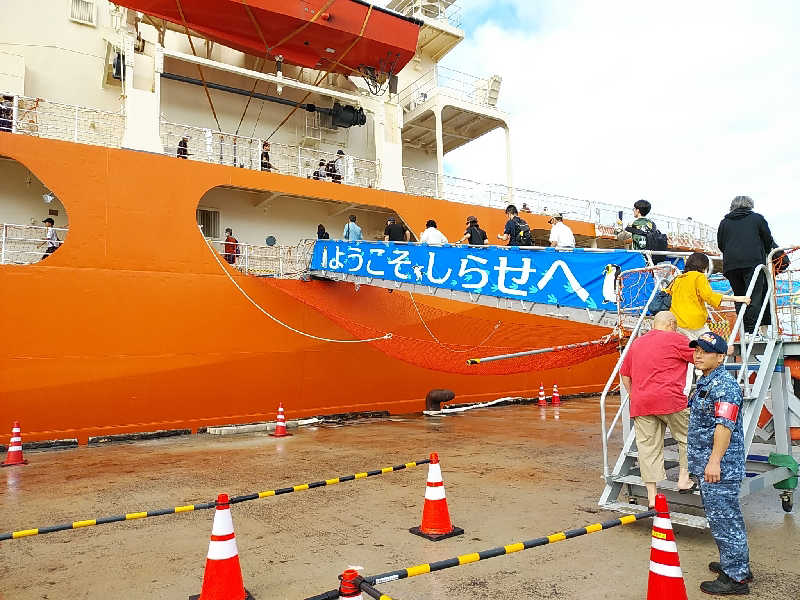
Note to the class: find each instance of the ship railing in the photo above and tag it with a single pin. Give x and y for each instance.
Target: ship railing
(684, 233)
(267, 261)
(60, 121)
(451, 83)
(210, 146)
(441, 10)
(25, 244)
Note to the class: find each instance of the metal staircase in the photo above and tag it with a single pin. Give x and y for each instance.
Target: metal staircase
(769, 461)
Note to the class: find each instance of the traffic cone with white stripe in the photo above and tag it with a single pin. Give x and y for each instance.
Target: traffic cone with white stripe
(542, 399)
(556, 397)
(349, 588)
(14, 456)
(223, 576)
(280, 423)
(436, 524)
(666, 577)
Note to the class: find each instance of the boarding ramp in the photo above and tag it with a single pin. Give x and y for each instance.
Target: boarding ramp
(770, 406)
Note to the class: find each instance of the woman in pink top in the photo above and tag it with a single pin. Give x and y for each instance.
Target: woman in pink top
(654, 373)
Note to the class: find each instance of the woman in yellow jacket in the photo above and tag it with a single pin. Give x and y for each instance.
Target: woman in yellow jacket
(691, 292)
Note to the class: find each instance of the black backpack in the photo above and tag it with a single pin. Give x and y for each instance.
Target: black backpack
(522, 233)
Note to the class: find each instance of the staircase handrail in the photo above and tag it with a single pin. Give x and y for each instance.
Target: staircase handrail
(745, 344)
(607, 431)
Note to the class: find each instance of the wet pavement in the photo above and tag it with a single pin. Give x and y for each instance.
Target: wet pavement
(511, 473)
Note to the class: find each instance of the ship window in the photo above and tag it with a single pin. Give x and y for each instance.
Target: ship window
(83, 11)
(208, 221)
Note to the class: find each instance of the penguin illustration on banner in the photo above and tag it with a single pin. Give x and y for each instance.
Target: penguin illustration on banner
(610, 279)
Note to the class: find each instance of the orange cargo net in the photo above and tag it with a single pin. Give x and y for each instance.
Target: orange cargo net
(439, 340)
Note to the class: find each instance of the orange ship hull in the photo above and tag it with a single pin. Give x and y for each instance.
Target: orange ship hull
(111, 334)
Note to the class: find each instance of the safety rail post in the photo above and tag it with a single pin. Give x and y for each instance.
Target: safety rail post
(75, 133)
(746, 348)
(3, 246)
(14, 114)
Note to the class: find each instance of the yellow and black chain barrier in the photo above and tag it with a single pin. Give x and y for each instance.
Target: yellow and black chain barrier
(192, 507)
(491, 553)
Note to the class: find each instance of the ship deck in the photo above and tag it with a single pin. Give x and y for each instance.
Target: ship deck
(511, 473)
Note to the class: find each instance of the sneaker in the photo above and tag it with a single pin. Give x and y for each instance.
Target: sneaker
(715, 567)
(724, 586)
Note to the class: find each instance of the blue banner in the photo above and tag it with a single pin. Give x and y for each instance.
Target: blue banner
(575, 278)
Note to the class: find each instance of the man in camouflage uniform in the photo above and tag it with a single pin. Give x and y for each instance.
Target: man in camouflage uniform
(716, 457)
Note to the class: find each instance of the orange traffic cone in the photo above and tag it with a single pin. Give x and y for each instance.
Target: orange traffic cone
(436, 524)
(223, 576)
(666, 577)
(542, 399)
(556, 398)
(280, 423)
(349, 587)
(14, 456)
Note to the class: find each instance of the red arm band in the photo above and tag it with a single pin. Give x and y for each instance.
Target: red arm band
(726, 410)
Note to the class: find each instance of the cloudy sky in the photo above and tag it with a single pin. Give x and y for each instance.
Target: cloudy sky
(685, 103)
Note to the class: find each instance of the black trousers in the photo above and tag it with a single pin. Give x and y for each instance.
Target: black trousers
(739, 280)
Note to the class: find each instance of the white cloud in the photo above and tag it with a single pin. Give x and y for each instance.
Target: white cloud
(686, 103)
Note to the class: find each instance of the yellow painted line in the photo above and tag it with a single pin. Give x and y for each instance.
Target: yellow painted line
(87, 523)
(468, 558)
(300, 488)
(331, 481)
(360, 475)
(139, 515)
(266, 494)
(627, 519)
(514, 547)
(411, 464)
(386, 470)
(418, 570)
(187, 508)
(24, 533)
(556, 537)
(594, 527)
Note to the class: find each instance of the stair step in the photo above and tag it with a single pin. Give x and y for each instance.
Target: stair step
(671, 486)
(676, 517)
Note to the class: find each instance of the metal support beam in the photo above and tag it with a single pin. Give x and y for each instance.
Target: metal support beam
(285, 81)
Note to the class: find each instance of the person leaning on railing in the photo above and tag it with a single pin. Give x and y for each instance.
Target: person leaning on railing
(691, 292)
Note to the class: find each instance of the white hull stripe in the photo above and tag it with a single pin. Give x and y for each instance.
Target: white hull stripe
(665, 545)
(16, 439)
(223, 523)
(434, 493)
(15, 448)
(662, 523)
(666, 570)
(222, 550)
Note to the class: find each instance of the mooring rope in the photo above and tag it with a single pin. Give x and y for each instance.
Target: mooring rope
(476, 361)
(214, 253)
(464, 559)
(192, 507)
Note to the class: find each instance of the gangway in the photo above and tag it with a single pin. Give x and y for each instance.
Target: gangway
(771, 459)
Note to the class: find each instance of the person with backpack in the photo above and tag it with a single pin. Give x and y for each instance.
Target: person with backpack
(643, 233)
(474, 235)
(517, 232)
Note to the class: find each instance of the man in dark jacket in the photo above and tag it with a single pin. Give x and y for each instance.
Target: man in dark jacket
(745, 240)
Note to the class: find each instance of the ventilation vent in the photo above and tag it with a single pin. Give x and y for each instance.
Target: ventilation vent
(83, 11)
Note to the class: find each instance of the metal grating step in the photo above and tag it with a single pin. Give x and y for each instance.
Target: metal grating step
(677, 518)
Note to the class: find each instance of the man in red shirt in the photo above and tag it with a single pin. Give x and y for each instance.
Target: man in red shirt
(231, 248)
(654, 374)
